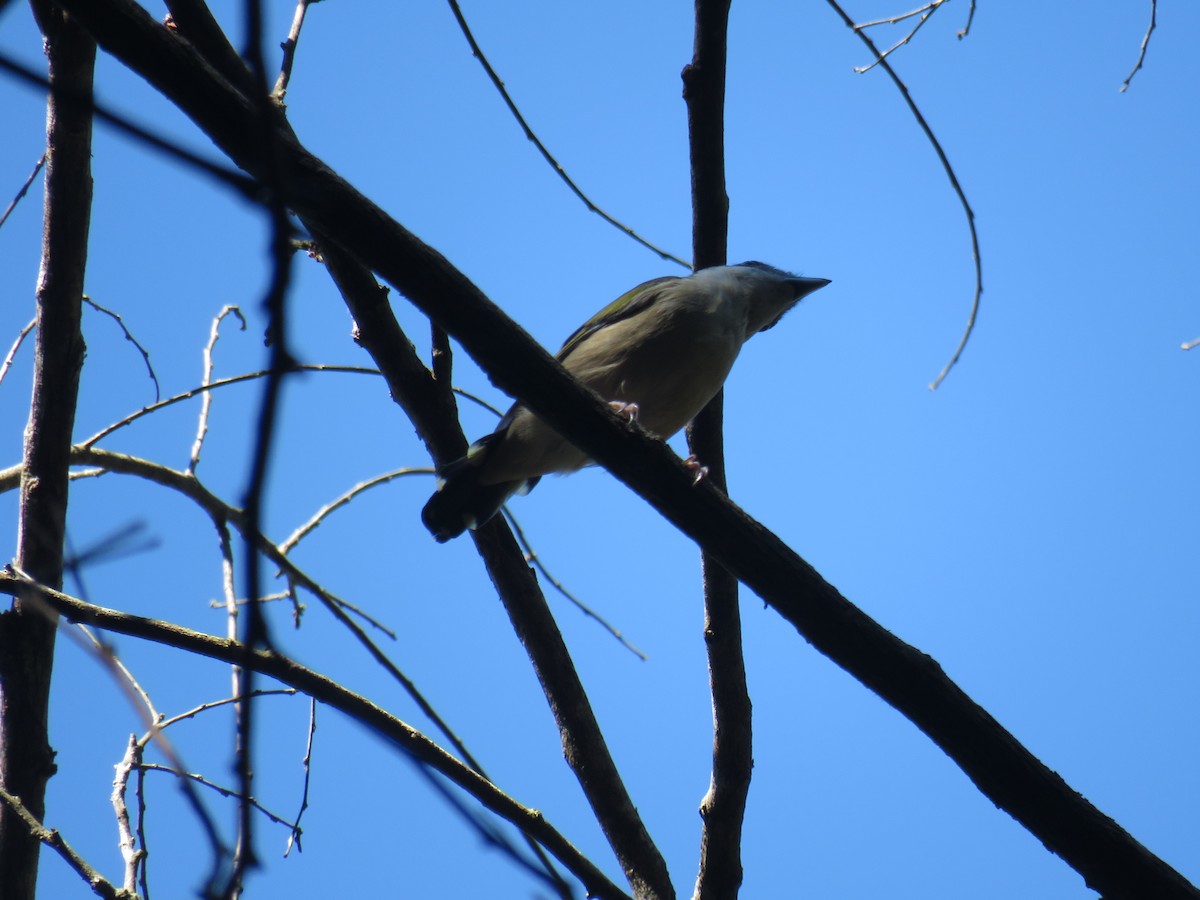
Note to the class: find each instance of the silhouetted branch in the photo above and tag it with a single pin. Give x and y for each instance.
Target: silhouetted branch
(27, 637)
(536, 141)
(22, 192)
(723, 807)
(1145, 44)
(206, 381)
(16, 346)
(949, 170)
(116, 317)
(287, 671)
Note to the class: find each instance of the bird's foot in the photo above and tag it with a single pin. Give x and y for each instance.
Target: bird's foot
(694, 465)
(628, 410)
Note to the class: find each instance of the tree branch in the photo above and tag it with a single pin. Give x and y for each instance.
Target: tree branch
(432, 411)
(285, 670)
(26, 636)
(724, 805)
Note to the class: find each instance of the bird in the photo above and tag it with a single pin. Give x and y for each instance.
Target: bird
(658, 354)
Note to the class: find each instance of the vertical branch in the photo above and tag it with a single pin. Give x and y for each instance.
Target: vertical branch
(256, 634)
(723, 807)
(26, 631)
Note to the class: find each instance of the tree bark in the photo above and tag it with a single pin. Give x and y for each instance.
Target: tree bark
(27, 630)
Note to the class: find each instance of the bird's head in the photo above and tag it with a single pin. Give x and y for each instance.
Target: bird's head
(766, 291)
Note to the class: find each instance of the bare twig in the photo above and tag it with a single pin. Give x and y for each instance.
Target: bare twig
(1145, 43)
(925, 12)
(304, 530)
(128, 843)
(949, 170)
(102, 651)
(532, 557)
(289, 51)
(22, 192)
(204, 707)
(206, 382)
(144, 878)
(223, 791)
(12, 352)
(129, 337)
(536, 141)
(966, 29)
(294, 838)
(892, 20)
(219, 383)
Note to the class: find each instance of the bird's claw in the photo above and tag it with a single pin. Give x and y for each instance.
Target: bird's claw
(694, 465)
(628, 410)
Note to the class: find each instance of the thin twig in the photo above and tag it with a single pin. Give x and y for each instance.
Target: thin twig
(1145, 43)
(928, 7)
(966, 29)
(127, 842)
(206, 401)
(536, 141)
(219, 383)
(304, 530)
(204, 707)
(931, 9)
(532, 557)
(962, 197)
(144, 878)
(289, 52)
(129, 337)
(223, 791)
(104, 651)
(22, 192)
(12, 353)
(478, 401)
(294, 838)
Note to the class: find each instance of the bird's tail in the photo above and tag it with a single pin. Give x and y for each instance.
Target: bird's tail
(461, 501)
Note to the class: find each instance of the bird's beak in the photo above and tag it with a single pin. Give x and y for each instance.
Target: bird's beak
(805, 286)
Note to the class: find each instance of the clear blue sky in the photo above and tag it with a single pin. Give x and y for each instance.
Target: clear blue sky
(1032, 524)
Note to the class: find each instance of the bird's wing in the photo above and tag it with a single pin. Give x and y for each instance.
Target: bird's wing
(628, 304)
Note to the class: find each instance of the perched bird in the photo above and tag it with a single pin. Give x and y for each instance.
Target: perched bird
(659, 353)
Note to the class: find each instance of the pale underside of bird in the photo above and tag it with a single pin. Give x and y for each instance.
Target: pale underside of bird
(660, 352)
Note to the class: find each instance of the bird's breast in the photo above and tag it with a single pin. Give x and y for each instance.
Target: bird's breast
(670, 373)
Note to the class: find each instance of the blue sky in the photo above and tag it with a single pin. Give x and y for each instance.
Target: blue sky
(1031, 524)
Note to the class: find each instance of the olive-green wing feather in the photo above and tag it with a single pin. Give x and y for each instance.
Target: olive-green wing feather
(628, 304)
